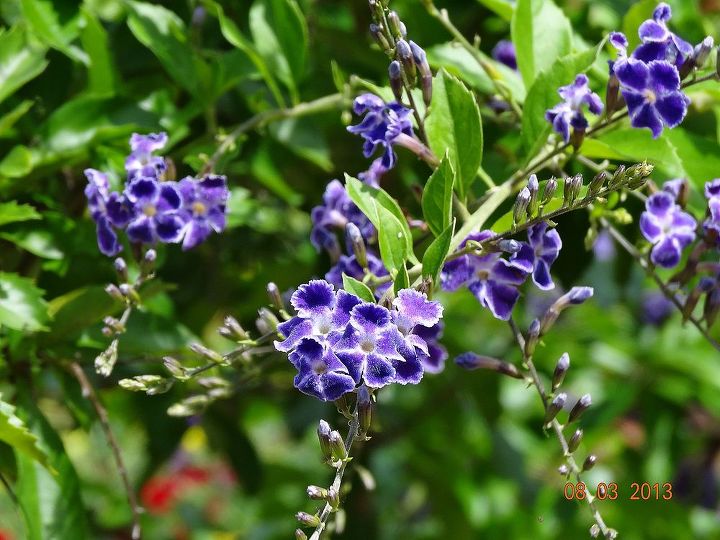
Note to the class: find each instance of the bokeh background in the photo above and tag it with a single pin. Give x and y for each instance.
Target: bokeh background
(461, 455)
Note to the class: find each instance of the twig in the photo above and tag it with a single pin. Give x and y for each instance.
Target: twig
(89, 392)
(670, 295)
(558, 429)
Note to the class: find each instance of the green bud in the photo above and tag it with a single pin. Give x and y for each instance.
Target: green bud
(175, 368)
(337, 447)
(203, 351)
(309, 520)
(105, 361)
(317, 493)
(150, 384)
(521, 204)
(532, 338)
(274, 294)
(549, 190)
(365, 409)
(300, 535)
(323, 432)
(597, 183)
(189, 406)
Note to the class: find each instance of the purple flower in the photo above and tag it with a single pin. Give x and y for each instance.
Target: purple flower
(156, 218)
(320, 372)
(504, 52)
(494, 281)
(374, 173)
(538, 254)
(203, 208)
(667, 227)
(141, 161)
(570, 112)
(434, 360)
(651, 90)
(604, 247)
(383, 123)
(712, 188)
(659, 43)
(656, 308)
(347, 264)
(338, 209)
(109, 210)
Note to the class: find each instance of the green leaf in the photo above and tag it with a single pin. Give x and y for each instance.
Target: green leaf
(699, 156)
(41, 18)
(94, 39)
(164, 33)
(435, 254)
(367, 198)
(21, 304)
(437, 197)
(14, 432)
(8, 120)
(634, 17)
(358, 288)
(454, 126)
(51, 503)
(502, 8)
(38, 241)
(392, 239)
(11, 212)
(20, 60)
(17, 163)
(73, 312)
(281, 37)
(541, 34)
(543, 94)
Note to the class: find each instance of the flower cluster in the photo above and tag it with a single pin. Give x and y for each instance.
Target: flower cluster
(151, 209)
(667, 227)
(495, 280)
(569, 113)
(337, 342)
(650, 77)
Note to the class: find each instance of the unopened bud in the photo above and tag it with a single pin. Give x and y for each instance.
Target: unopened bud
(425, 72)
(549, 190)
(580, 407)
(563, 469)
(323, 432)
(234, 328)
(317, 493)
(300, 535)
(574, 441)
(534, 187)
(274, 295)
(563, 364)
(396, 82)
(509, 246)
(532, 338)
(521, 204)
(129, 292)
(365, 409)
(309, 520)
(357, 242)
(617, 178)
(567, 191)
(333, 497)
(612, 95)
(711, 307)
(175, 368)
(578, 295)
(595, 530)
(471, 361)
(555, 406)
(337, 446)
(397, 28)
(121, 268)
(268, 319)
(597, 183)
(105, 361)
(577, 184)
(114, 292)
(147, 265)
(378, 34)
(589, 462)
(203, 351)
(404, 55)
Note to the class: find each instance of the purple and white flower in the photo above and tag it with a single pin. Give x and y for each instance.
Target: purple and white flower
(156, 211)
(504, 52)
(667, 227)
(141, 162)
(320, 372)
(538, 255)
(659, 43)
(569, 113)
(203, 208)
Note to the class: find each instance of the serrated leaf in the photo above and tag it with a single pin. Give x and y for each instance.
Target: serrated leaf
(20, 60)
(21, 304)
(435, 254)
(454, 126)
(11, 212)
(14, 432)
(358, 288)
(541, 34)
(543, 94)
(437, 197)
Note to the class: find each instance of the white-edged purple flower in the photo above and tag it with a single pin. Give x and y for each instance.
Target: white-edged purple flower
(538, 255)
(374, 173)
(108, 209)
(434, 360)
(336, 212)
(156, 211)
(382, 124)
(203, 208)
(348, 264)
(504, 52)
(320, 372)
(659, 43)
(493, 280)
(667, 227)
(569, 113)
(651, 90)
(141, 161)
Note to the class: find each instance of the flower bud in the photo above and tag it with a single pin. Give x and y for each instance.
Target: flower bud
(121, 269)
(521, 204)
(580, 407)
(333, 497)
(300, 535)
(337, 446)
(567, 191)
(563, 469)
(309, 520)
(578, 295)
(589, 462)
(105, 361)
(612, 95)
(397, 28)
(323, 432)
(147, 265)
(267, 320)
(597, 183)
(509, 246)
(471, 361)
(378, 34)
(617, 178)
(534, 187)
(404, 55)
(189, 406)
(129, 292)
(234, 328)
(203, 351)
(396, 82)
(357, 242)
(365, 409)
(426, 76)
(555, 406)
(563, 364)
(274, 295)
(574, 441)
(549, 190)
(317, 493)
(532, 338)
(114, 292)
(577, 184)
(702, 51)
(594, 530)
(711, 307)
(150, 384)
(175, 368)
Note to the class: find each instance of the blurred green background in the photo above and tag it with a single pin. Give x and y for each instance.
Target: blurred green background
(462, 454)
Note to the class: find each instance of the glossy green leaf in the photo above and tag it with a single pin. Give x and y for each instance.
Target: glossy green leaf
(634, 17)
(541, 34)
(77, 310)
(699, 156)
(435, 254)
(20, 60)
(11, 212)
(7, 121)
(21, 304)
(14, 432)
(437, 197)
(392, 240)
(358, 288)
(280, 34)
(454, 126)
(543, 94)
(94, 39)
(17, 163)
(42, 19)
